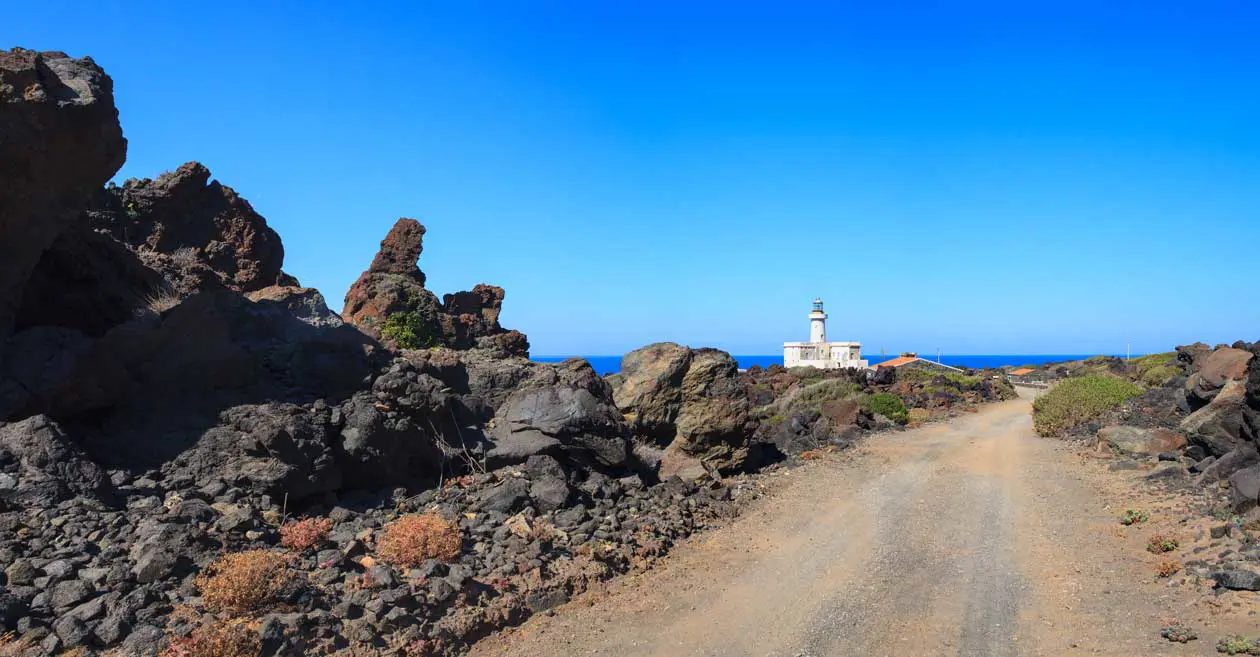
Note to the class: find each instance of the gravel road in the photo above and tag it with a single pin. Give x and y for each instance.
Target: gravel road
(973, 537)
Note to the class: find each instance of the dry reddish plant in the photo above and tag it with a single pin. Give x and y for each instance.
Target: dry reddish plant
(12, 646)
(1167, 568)
(304, 534)
(1159, 543)
(811, 454)
(244, 581)
(362, 582)
(231, 639)
(463, 482)
(413, 539)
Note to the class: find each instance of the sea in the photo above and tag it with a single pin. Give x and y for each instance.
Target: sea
(612, 364)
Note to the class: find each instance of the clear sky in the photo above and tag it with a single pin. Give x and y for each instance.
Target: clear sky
(997, 177)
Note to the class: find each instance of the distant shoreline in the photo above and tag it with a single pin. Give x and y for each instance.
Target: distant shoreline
(612, 364)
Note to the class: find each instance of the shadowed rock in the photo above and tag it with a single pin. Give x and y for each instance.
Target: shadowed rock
(61, 142)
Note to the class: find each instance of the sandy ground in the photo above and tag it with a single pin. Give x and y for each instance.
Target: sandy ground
(971, 538)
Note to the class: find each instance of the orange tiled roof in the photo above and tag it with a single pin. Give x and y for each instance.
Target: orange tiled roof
(897, 362)
(1022, 371)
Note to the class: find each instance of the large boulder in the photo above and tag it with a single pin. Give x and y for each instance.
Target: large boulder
(198, 232)
(1213, 370)
(61, 142)
(1244, 488)
(649, 390)
(277, 449)
(563, 410)
(40, 466)
(407, 431)
(1140, 441)
(1221, 426)
(692, 400)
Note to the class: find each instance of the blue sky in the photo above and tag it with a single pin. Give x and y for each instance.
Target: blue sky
(1059, 177)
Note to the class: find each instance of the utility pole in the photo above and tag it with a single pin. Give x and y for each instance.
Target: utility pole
(1127, 352)
(938, 355)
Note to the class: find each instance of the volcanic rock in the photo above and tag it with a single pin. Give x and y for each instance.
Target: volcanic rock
(61, 142)
(1237, 579)
(565, 411)
(1244, 488)
(1140, 441)
(693, 399)
(389, 302)
(394, 285)
(199, 233)
(1213, 371)
(1220, 426)
(40, 466)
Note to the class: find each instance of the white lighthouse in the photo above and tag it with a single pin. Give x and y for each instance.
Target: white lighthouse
(818, 352)
(817, 323)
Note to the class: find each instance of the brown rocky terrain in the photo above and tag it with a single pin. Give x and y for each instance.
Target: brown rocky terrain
(197, 457)
(1186, 449)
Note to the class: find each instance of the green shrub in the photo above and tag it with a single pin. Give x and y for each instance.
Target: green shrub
(925, 375)
(1178, 633)
(808, 374)
(888, 405)
(811, 397)
(1157, 370)
(1236, 644)
(1134, 517)
(406, 329)
(1076, 401)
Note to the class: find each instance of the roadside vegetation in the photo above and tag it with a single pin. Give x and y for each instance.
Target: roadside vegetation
(1157, 370)
(922, 375)
(1236, 644)
(888, 405)
(1134, 517)
(1077, 401)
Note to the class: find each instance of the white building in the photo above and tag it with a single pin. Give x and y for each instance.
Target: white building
(818, 352)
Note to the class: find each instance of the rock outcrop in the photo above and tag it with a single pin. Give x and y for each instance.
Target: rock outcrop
(1212, 371)
(199, 233)
(390, 303)
(62, 141)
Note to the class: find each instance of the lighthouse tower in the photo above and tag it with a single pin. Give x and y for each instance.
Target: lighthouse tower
(817, 323)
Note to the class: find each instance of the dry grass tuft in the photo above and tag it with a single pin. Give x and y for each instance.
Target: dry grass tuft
(243, 582)
(1167, 568)
(231, 639)
(413, 539)
(12, 646)
(304, 534)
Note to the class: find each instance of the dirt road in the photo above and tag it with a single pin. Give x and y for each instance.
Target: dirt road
(969, 538)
